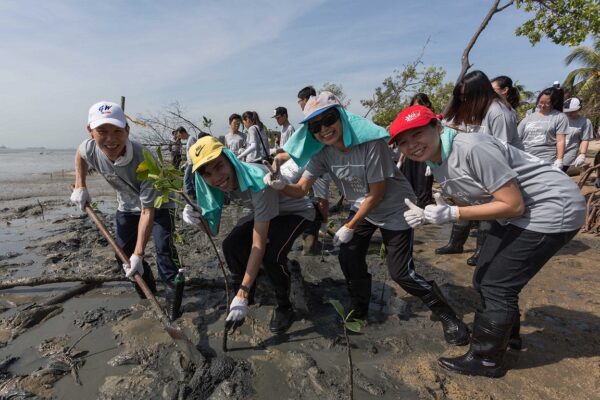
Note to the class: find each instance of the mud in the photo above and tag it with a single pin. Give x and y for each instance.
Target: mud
(110, 341)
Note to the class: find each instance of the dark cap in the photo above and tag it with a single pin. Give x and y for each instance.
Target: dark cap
(279, 111)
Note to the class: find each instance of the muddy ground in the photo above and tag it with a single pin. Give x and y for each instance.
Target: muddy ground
(107, 344)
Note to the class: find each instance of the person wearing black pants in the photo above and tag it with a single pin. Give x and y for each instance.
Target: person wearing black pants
(264, 237)
(536, 209)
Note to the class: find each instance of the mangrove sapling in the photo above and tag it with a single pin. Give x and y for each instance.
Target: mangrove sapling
(167, 179)
(355, 325)
(382, 255)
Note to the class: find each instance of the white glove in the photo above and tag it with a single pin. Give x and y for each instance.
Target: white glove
(237, 312)
(276, 183)
(579, 161)
(428, 171)
(80, 197)
(414, 214)
(399, 163)
(323, 230)
(191, 216)
(558, 164)
(343, 235)
(135, 265)
(441, 212)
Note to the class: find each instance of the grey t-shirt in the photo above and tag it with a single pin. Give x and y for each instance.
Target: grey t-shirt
(235, 142)
(479, 165)
(579, 130)
(257, 136)
(286, 133)
(269, 203)
(132, 194)
(501, 122)
(538, 133)
(352, 171)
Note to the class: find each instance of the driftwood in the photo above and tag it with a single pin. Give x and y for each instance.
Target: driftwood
(592, 216)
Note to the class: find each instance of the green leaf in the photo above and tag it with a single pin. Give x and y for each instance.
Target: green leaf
(158, 202)
(338, 307)
(355, 325)
(151, 163)
(159, 154)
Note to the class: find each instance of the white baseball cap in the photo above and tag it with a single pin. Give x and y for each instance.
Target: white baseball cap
(106, 112)
(319, 104)
(571, 105)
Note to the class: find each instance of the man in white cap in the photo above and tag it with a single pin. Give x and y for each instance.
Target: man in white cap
(113, 155)
(579, 134)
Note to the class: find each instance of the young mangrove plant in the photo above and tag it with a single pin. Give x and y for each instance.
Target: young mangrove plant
(354, 325)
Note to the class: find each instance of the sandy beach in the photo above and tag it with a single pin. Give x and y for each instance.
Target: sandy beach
(107, 344)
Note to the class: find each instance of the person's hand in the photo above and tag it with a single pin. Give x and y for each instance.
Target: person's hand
(136, 264)
(414, 214)
(558, 164)
(237, 312)
(343, 235)
(191, 216)
(579, 161)
(399, 164)
(274, 179)
(441, 212)
(80, 197)
(323, 230)
(428, 171)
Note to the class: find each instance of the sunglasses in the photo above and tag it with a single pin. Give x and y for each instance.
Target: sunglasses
(329, 118)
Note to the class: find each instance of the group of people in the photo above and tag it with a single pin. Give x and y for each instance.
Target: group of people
(508, 177)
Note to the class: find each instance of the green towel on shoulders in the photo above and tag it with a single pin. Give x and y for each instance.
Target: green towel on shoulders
(447, 137)
(356, 130)
(210, 199)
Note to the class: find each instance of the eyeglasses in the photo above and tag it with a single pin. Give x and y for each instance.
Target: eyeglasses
(329, 118)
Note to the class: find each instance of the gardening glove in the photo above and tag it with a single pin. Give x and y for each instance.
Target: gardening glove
(237, 312)
(343, 235)
(399, 164)
(274, 181)
(579, 161)
(414, 214)
(428, 171)
(441, 212)
(136, 264)
(558, 164)
(80, 197)
(323, 230)
(191, 216)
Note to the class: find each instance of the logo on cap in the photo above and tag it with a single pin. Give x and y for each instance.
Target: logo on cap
(412, 116)
(199, 150)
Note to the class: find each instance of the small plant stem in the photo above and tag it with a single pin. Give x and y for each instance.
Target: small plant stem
(351, 370)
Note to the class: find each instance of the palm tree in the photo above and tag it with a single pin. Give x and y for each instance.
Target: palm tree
(584, 82)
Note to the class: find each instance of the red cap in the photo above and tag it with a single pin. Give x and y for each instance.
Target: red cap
(409, 118)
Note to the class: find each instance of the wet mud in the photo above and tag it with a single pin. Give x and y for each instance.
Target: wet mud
(106, 343)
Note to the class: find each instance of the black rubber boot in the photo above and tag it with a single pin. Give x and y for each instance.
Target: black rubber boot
(486, 354)
(360, 297)
(455, 331)
(514, 341)
(150, 282)
(481, 236)
(458, 237)
(173, 297)
(283, 314)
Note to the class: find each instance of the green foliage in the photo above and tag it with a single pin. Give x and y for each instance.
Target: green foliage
(564, 22)
(165, 177)
(354, 325)
(382, 252)
(395, 91)
(207, 123)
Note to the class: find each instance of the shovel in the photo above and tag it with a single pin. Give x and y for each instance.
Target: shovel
(176, 334)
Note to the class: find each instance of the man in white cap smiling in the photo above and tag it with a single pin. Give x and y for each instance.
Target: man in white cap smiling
(113, 155)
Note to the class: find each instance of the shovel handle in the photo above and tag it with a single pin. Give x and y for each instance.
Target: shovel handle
(121, 254)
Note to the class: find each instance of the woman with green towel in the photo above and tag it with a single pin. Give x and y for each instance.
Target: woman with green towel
(263, 237)
(355, 153)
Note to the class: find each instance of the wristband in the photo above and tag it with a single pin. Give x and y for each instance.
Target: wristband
(244, 288)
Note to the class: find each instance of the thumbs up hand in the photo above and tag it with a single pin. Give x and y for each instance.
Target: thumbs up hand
(414, 215)
(441, 212)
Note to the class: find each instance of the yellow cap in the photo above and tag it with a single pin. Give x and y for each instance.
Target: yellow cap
(204, 151)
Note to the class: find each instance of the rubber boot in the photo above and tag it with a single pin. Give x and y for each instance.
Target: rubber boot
(150, 282)
(514, 341)
(458, 237)
(360, 296)
(283, 314)
(486, 354)
(455, 331)
(481, 236)
(174, 297)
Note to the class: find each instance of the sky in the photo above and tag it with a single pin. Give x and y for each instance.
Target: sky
(219, 57)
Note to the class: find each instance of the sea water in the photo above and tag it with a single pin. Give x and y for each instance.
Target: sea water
(24, 163)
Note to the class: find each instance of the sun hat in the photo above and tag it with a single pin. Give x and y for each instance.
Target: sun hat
(409, 118)
(106, 112)
(319, 104)
(571, 105)
(279, 111)
(205, 150)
